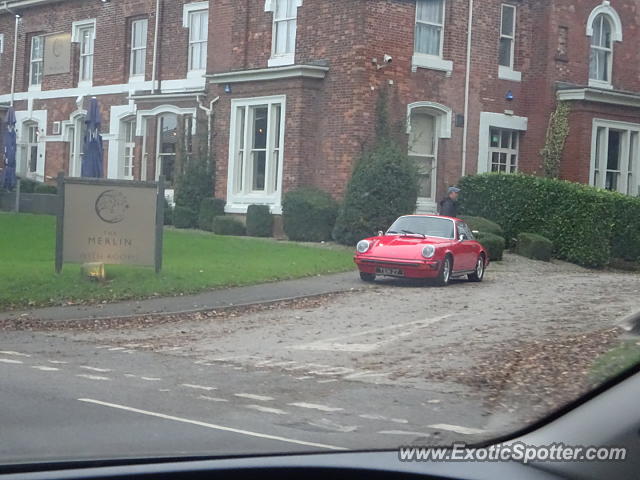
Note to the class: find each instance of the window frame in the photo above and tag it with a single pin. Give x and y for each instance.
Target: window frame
(128, 146)
(602, 17)
(189, 11)
(425, 60)
(509, 151)
(509, 72)
(134, 49)
(434, 118)
(36, 61)
(240, 192)
(288, 58)
(77, 29)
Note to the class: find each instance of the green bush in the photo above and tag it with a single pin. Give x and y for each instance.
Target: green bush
(309, 215)
(534, 246)
(195, 183)
(586, 225)
(27, 186)
(168, 213)
(493, 244)
(482, 225)
(210, 208)
(43, 188)
(383, 187)
(228, 226)
(259, 221)
(184, 217)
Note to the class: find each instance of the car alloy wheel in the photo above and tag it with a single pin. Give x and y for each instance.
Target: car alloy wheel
(478, 274)
(445, 272)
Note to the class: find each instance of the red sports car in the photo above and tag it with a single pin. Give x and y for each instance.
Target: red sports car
(423, 246)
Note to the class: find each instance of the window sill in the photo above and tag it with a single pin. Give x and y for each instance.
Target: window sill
(281, 61)
(85, 84)
(600, 84)
(35, 88)
(431, 62)
(135, 79)
(506, 73)
(197, 74)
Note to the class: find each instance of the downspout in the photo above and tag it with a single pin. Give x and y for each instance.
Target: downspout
(15, 52)
(155, 47)
(467, 82)
(209, 112)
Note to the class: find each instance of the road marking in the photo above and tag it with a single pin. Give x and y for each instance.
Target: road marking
(46, 369)
(403, 432)
(456, 429)
(211, 425)
(9, 360)
(212, 399)
(250, 396)
(57, 362)
(198, 387)
(13, 354)
(150, 379)
(338, 344)
(334, 427)
(92, 377)
(315, 406)
(94, 369)
(260, 408)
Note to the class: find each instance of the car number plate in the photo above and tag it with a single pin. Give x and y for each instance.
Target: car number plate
(391, 272)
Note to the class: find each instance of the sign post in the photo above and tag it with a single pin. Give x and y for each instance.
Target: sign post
(109, 222)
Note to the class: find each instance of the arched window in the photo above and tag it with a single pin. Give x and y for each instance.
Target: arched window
(604, 27)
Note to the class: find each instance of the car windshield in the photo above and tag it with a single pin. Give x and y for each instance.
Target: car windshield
(428, 226)
(192, 196)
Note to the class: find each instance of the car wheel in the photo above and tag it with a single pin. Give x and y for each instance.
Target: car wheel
(478, 274)
(367, 277)
(445, 272)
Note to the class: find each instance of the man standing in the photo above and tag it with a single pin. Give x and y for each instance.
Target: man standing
(449, 206)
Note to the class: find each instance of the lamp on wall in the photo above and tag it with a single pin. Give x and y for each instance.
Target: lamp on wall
(227, 88)
(509, 96)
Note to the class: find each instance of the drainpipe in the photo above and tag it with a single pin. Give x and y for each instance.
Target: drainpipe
(155, 47)
(465, 131)
(209, 112)
(15, 51)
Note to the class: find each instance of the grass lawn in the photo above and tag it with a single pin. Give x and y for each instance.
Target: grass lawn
(615, 361)
(193, 261)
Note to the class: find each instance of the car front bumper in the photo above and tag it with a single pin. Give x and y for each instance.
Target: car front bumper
(410, 268)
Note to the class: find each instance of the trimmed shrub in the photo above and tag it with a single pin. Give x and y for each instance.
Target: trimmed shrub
(228, 226)
(309, 215)
(482, 225)
(210, 208)
(194, 184)
(168, 213)
(259, 221)
(586, 225)
(27, 185)
(384, 186)
(184, 217)
(43, 188)
(493, 244)
(534, 246)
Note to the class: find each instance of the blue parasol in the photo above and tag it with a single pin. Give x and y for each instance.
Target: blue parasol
(93, 150)
(9, 137)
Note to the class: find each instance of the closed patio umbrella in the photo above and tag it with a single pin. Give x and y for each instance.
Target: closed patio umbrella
(9, 173)
(93, 150)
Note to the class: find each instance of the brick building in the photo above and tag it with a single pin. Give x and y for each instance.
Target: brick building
(145, 66)
(470, 89)
(293, 85)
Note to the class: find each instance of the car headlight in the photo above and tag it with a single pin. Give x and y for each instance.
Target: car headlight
(428, 251)
(363, 246)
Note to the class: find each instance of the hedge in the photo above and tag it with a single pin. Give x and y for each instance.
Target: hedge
(309, 215)
(228, 226)
(587, 225)
(383, 187)
(27, 185)
(184, 217)
(534, 246)
(168, 213)
(482, 225)
(45, 189)
(259, 221)
(210, 208)
(493, 244)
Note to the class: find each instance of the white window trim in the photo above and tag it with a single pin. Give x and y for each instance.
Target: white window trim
(76, 28)
(286, 59)
(239, 203)
(505, 73)
(39, 117)
(38, 87)
(443, 114)
(513, 35)
(187, 10)
(614, 125)
(139, 76)
(432, 62)
(1, 43)
(616, 36)
(497, 120)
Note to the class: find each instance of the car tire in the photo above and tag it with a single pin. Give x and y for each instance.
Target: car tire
(478, 274)
(444, 276)
(367, 277)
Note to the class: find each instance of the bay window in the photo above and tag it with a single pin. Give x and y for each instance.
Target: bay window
(615, 164)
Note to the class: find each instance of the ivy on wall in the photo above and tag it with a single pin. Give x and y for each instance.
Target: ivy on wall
(557, 134)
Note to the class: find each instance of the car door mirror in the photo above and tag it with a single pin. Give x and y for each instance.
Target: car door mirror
(462, 237)
(380, 233)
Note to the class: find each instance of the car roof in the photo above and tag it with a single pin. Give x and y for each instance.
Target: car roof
(434, 216)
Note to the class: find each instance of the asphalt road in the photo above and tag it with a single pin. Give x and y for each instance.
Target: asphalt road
(63, 399)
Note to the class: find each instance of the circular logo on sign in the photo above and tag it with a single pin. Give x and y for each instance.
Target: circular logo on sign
(111, 206)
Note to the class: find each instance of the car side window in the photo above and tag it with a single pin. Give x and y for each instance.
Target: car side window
(463, 229)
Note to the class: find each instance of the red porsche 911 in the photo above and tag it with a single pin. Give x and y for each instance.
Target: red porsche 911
(423, 246)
